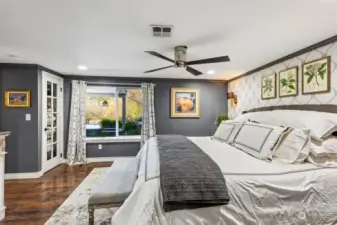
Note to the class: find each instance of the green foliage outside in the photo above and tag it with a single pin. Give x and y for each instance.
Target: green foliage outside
(109, 123)
(95, 111)
(105, 115)
(131, 128)
(130, 125)
(220, 118)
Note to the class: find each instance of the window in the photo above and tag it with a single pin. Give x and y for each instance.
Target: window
(113, 111)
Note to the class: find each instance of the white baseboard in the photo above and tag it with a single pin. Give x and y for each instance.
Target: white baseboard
(63, 160)
(2, 212)
(15, 176)
(106, 159)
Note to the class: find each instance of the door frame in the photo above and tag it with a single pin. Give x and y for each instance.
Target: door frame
(60, 113)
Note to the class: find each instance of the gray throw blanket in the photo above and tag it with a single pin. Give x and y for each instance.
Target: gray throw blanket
(189, 178)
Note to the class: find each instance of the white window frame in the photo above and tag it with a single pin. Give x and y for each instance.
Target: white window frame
(117, 138)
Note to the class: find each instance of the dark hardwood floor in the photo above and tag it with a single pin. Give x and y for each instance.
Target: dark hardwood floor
(33, 201)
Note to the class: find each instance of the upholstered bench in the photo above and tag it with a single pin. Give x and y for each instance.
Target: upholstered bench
(116, 185)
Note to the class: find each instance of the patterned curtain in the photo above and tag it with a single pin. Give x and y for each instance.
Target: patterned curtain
(76, 140)
(149, 121)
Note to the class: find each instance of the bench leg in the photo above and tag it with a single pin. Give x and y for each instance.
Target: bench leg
(91, 212)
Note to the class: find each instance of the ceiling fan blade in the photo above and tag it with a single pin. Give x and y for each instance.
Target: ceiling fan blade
(193, 71)
(149, 71)
(160, 56)
(210, 60)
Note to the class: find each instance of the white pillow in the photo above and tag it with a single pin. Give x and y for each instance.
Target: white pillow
(323, 160)
(294, 146)
(321, 156)
(320, 124)
(330, 144)
(256, 116)
(258, 140)
(321, 128)
(227, 131)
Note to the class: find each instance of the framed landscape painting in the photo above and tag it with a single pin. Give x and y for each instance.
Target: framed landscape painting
(288, 82)
(17, 99)
(316, 76)
(185, 103)
(268, 86)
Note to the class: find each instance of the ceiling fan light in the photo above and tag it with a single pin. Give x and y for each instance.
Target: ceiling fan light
(210, 72)
(82, 67)
(180, 55)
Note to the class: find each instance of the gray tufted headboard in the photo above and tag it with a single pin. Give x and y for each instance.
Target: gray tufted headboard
(318, 108)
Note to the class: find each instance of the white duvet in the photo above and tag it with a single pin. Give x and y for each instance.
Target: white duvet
(260, 192)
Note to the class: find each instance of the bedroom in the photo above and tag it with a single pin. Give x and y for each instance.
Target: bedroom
(79, 108)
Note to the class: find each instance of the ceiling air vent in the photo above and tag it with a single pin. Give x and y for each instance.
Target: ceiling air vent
(161, 30)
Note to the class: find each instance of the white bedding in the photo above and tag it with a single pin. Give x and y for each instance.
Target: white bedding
(261, 192)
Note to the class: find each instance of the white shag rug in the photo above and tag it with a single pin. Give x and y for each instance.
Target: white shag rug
(74, 210)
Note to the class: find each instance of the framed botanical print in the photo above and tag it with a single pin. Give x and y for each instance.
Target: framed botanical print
(316, 76)
(185, 103)
(17, 99)
(268, 86)
(288, 82)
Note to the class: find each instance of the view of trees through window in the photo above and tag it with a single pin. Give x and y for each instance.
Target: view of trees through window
(101, 114)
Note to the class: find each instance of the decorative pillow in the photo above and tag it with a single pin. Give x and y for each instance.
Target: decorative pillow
(320, 124)
(330, 144)
(323, 160)
(320, 156)
(294, 146)
(258, 140)
(234, 132)
(226, 131)
(321, 128)
(318, 150)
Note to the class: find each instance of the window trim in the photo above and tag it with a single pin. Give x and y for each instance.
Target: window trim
(119, 139)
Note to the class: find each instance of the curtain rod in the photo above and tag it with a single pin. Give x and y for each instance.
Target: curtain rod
(107, 83)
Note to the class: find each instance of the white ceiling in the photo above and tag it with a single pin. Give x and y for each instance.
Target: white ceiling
(110, 36)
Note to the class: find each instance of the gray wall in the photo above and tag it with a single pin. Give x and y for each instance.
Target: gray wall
(113, 150)
(23, 143)
(213, 102)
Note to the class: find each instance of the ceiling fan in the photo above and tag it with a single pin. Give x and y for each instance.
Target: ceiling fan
(180, 60)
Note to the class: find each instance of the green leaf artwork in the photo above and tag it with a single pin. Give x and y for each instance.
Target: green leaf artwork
(268, 89)
(315, 71)
(267, 86)
(288, 82)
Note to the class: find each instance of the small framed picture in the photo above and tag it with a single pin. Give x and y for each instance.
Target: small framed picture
(268, 86)
(17, 99)
(185, 103)
(316, 76)
(288, 82)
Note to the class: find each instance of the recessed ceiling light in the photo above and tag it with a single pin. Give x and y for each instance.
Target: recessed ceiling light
(210, 72)
(82, 67)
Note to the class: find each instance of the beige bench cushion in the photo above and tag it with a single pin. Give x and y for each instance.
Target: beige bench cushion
(117, 184)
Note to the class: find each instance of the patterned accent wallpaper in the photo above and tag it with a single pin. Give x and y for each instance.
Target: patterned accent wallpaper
(248, 89)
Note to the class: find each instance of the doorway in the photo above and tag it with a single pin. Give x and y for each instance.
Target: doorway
(52, 121)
